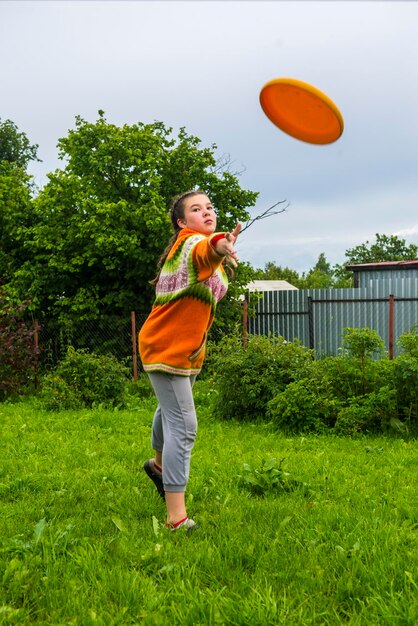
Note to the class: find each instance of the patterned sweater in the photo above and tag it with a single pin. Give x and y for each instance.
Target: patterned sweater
(191, 282)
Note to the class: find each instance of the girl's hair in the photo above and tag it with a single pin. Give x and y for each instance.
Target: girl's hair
(176, 213)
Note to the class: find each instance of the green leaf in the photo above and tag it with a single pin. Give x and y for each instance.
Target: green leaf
(39, 530)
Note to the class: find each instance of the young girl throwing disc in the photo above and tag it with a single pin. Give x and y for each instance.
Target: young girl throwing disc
(190, 282)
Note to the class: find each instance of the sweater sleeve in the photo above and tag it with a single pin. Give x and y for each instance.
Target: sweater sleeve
(205, 258)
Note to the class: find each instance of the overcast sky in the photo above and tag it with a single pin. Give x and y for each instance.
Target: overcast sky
(201, 64)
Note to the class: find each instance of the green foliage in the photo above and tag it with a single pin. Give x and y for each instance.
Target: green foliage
(18, 356)
(85, 380)
(15, 146)
(321, 276)
(405, 375)
(15, 217)
(385, 248)
(59, 395)
(269, 479)
(248, 377)
(101, 223)
(230, 309)
(362, 343)
(303, 407)
(272, 271)
(343, 377)
(376, 411)
(408, 341)
(278, 381)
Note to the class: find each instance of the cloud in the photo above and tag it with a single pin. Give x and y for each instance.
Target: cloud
(407, 232)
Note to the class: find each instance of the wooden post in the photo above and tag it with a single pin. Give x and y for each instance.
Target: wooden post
(245, 321)
(391, 324)
(134, 350)
(36, 346)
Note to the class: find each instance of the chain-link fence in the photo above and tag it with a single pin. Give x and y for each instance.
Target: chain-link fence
(105, 335)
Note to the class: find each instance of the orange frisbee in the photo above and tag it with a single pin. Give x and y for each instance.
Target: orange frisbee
(301, 110)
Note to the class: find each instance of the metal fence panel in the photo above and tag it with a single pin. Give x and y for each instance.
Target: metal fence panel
(317, 317)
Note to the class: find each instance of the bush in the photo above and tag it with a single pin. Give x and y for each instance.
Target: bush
(375, 412)
(344, 377)
(18, 355)
(85, 380)
(303, 407)
(247, 378)
(405, 374)
(409, 342)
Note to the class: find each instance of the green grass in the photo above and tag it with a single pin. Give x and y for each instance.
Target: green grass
(82, 540)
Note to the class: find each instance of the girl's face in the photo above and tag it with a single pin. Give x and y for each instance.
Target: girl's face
(199, 215)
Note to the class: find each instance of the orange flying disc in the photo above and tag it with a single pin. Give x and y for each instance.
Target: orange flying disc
(301, 110)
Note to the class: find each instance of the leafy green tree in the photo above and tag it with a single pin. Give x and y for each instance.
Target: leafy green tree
(16, 190)
(15, 217)
(102, 221)
(385, 248)
(272, 271)
(15, 146)
(320, 276)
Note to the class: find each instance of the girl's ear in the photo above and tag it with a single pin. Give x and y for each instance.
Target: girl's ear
(181, 222)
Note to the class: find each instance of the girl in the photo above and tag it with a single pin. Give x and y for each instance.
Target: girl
(190, 282)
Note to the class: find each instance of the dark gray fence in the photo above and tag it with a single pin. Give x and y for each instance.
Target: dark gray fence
(317, 317)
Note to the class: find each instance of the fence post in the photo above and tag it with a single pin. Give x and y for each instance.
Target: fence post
(36, 347)
(134, 350)
(245, 320)
(310, 324)
(391, 323)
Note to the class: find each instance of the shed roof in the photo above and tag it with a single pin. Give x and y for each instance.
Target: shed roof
(270, 285)
(383, 266)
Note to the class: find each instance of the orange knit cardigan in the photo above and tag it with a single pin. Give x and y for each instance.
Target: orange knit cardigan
(191, 282)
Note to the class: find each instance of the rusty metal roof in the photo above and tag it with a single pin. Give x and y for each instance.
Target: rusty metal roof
(384, 265)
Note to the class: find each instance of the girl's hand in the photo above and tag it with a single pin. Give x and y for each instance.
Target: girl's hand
(225, 246)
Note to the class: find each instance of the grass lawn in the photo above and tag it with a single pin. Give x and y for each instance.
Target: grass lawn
(83, 542)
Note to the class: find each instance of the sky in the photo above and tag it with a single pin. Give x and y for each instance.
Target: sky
(201, 64)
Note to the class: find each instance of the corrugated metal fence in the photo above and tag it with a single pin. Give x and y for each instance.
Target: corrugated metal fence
(317, 317)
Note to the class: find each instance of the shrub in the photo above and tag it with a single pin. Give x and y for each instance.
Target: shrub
(405, 374)
(344, 377)
(18, 356)
(83, 380)
(247, 378)
(376, 411)
(57, 395)
(362, 343)
(409, 342)
(303, 407)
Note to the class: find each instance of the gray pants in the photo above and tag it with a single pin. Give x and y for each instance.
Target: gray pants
(174, 427)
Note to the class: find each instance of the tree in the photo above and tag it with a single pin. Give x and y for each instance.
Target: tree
(272, 271)
(385, 248)
(16, 190)
(15, 146)
(15, 217)
(320, 276)
(102, 221)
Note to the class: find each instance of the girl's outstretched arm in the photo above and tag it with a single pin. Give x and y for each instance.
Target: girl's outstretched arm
(225, 245)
